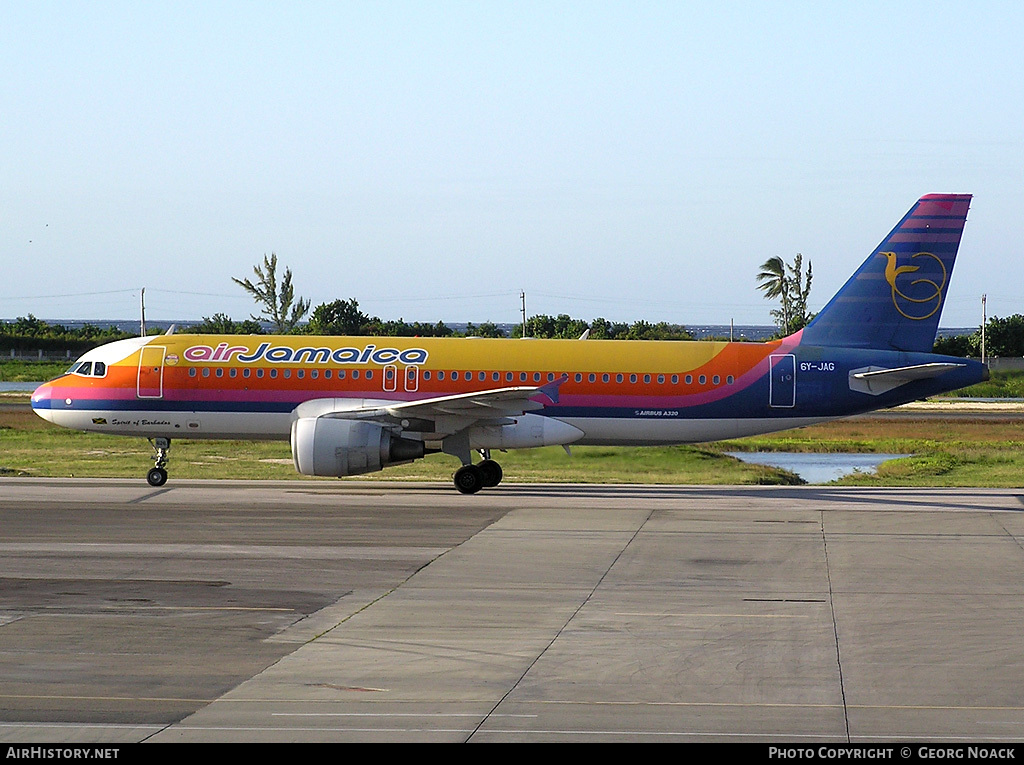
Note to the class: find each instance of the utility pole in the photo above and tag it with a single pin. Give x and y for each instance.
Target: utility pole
(522, 298)
(142, 309)
(983, 320)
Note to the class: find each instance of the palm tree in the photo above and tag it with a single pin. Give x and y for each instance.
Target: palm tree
(773, 281)
(790, 284)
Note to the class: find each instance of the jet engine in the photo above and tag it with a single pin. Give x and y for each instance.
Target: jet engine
(329, 446)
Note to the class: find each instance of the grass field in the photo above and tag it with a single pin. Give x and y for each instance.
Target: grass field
(31, 371)
(954, 452)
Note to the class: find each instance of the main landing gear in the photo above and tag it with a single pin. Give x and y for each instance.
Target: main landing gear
(157, 476)
(470, 478)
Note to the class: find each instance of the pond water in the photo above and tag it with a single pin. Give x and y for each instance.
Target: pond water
(817, 468)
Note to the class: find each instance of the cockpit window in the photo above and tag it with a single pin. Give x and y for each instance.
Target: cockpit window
(88, 369)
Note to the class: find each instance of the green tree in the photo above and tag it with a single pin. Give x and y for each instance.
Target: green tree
(789, 284)
(280, 306)
(1004, 337)
(222, 324)
(487, 329)
(957, 345)
(643, 330)
(340, 317)
(564, 326)
(602, 329)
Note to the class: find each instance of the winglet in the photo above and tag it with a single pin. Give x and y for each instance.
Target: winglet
(551, 389)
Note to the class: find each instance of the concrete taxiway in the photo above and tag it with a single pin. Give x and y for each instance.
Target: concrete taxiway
(359, 611)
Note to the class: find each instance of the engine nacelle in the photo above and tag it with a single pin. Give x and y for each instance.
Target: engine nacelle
(329, 446)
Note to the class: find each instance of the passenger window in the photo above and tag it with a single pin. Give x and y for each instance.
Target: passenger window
(702, 379)
(689, 379)
(369, 374)
(604, 377)
(632, 378)
(355, 374)
(716, 379)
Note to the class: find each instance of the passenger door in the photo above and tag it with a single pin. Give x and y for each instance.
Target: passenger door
(782, 382)
(151, 372)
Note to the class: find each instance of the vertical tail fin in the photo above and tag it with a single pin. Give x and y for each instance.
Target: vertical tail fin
(894, 300)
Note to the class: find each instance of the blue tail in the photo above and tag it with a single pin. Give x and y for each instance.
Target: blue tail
(895, 299)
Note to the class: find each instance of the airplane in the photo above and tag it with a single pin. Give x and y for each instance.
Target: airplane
(353, 405)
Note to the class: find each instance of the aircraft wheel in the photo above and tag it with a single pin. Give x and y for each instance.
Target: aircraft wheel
(490, 472)
(156, 477)
(468, 479)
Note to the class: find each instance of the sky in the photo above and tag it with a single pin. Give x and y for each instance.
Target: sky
(432, 160)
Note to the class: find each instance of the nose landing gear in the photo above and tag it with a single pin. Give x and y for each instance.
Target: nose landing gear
(157, 476)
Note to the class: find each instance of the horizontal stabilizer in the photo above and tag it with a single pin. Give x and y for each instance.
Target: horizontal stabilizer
(875, 381)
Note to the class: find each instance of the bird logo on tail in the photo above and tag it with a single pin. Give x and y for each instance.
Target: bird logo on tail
(930, 298)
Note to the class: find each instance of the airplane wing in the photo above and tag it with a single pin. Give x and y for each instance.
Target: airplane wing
(442, 414)
(876, 381)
